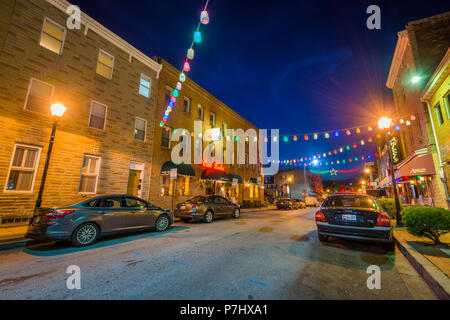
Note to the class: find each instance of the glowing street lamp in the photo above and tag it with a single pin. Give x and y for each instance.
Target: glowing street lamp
(289, 187)
(415, 79)
(367, 170)
(57, 111)
(384, 123)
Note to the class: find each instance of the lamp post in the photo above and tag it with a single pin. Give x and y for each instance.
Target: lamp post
(57, 110)
(384, 124)
(289, 187)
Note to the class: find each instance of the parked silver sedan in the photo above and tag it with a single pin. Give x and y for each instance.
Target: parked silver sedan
(84, 222)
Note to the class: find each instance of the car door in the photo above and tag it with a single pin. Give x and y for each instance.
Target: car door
(113, 215)
(218, 206)
(228, 206)
(140, 213)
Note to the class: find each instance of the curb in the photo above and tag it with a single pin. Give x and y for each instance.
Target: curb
(438, 282)
(261, 210)
(13, 243)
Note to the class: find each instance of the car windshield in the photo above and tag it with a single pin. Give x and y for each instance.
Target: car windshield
(196, 199)
(354, 201)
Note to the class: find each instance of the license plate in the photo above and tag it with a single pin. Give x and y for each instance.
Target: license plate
(183, 207)
(348, 217)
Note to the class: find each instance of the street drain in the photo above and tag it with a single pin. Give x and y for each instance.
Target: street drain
(265, 229)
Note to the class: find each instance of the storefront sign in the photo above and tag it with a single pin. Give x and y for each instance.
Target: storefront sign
(259, 182)
(214, 166)
(173, 173)
(234, 183)
(395, 151)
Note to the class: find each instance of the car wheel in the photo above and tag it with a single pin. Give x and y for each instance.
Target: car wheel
(322, 238)
(208, 217)
(389, 246)
(85, 235)
(162, 223)
(236, 213)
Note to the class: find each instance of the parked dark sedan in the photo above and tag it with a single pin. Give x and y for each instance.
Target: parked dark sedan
(354, 216)
(84, 222)
(206, 208)
(300, 204)
(285, 203)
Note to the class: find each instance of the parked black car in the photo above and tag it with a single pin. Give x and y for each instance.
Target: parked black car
(354, 216)
(285, 203)
(83, 223)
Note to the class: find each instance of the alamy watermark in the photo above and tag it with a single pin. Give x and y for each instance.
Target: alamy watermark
(74, 280)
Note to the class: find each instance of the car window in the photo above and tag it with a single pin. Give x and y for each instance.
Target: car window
(196, 199)
(89, 204)
(113, 202)
(219, 200)
(134, 203)
(351, 201)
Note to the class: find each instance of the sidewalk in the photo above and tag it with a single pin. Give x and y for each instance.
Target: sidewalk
(270, 207)
(431, 262)
(12, 233)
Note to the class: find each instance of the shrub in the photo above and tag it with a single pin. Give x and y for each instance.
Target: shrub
(427, 222)
(388, 205)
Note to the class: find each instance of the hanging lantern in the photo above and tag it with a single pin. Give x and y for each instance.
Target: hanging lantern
(315, 136)
(173, 99)
(204, 17)
(197, 37)
(178, 86)
(182, 77)
(295, 138)
(327, 135)
(190, 53)
(358, 130)
(175, 93)
(348, 132)
(186, 67)
(306, 137)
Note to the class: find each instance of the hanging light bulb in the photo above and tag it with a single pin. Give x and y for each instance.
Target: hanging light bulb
(347, 147)
(315, 136)
(204, 17)
(197, 37)
(295, 138)
(336, 133)
(175, 93)
(362, 142)
(190, 53)
(348, 132)
(408, 123)
(370, 128)
(370, 139)
(173, 99)
(402, 121)
(182, 77)
(285, 139)
(341, 149)
(413, 118)
(327, 135)
(178, 86)
(186, 67)
(354, 145)
(358, 130)
(306, 137)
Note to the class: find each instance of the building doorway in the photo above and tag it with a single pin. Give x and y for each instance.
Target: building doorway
(134, 187)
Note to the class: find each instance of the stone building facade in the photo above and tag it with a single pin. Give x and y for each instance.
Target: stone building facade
(291, 182)
(193, 104)
(104, 140)
(420, 48)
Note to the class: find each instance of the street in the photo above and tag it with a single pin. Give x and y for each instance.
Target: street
(262, 255)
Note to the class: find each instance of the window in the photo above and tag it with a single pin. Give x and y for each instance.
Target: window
(168, 94)
(200, 112)
(440, 118)
(52, 36)
(112, 202)
(140, 126)
(23, 167)
(447, 106)
(187, 105)
(144, 86)
(97, 117)
(105, 64)
(165, 137)
(39, 97)
(212, 119)
(89, 174)
(135, 203)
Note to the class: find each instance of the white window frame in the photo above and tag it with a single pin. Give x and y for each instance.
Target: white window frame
(35, 169)
(147, 78)
(199, 106)
(170, 138)
(98, 61)
(63, 39)
(28, 94)
(97, 173)
(90, 113)
(145, 129)
(189, 103)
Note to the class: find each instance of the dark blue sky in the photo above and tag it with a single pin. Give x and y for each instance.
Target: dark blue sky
(300, 66)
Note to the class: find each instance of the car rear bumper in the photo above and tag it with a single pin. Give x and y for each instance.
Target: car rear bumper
(377, 234)
(188, 215)
(44, 232)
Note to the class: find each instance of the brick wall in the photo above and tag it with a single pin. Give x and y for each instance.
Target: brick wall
(76, 83)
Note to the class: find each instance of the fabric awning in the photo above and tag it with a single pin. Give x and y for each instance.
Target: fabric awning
(420, 165)
(236, 176)
(182, 169)
(215, 175)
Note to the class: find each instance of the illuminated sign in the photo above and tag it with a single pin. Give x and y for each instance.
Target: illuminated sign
(395, 151)
(214, 166)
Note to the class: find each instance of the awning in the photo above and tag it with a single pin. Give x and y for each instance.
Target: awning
(420, 165)
(182, 169)
(253, 181)
(215, 175)
(235, 176)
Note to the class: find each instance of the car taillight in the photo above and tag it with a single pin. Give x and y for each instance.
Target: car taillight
(194, 206)
(383, 220)
(58, 214)
(320, 216)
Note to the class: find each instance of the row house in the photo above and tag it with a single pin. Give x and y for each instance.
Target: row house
(103, 142)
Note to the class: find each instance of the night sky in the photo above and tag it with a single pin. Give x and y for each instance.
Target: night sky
(299, 66)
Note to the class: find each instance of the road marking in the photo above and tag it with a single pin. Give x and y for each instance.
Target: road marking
(173, 261)
(257, 282)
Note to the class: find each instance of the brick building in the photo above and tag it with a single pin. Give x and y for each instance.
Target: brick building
(291, 182)
(420, 48)
(195, 103)
(104, 140)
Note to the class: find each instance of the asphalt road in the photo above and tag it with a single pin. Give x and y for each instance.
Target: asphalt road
(265, 255)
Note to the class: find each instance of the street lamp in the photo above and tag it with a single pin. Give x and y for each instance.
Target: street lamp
(384, 124)
(367, 170)
(289, 186)
(57, 110)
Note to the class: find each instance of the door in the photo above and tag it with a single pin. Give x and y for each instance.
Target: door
(140, 215)
(133, 182)
(113, 215)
